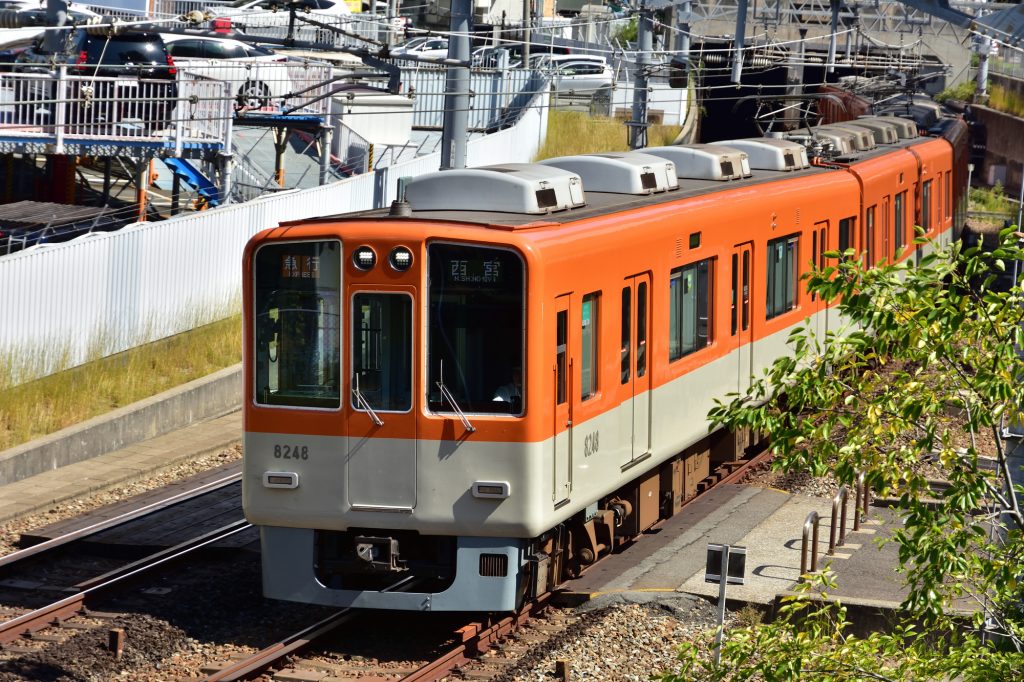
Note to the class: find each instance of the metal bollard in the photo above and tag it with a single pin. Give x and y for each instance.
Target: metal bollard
(810, 522)
(840, 498)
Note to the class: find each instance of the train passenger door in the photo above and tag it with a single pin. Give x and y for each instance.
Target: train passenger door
(741, 323)
(634, 373)
(381, 464)
(562, 427)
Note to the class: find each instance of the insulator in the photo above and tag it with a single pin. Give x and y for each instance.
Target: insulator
(107, 26)
(9, 18)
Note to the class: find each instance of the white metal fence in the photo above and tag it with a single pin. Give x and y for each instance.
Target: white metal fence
(107, 292)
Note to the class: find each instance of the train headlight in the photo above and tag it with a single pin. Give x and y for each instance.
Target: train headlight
(400, 259)
(364, 258)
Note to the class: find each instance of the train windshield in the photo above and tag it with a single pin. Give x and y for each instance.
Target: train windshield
(298, 324)
(476, 330)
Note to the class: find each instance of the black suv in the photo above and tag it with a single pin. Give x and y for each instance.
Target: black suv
(131, 81)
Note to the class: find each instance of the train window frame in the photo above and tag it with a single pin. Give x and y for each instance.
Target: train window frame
(411, 356)
(949, 195)
(926, 207)
(899, 223)
(847, 227)
(869, 235)
(590, 345)
(433, 397)
(626, 353)
(700, 327)
(781, 288)
(337, 345)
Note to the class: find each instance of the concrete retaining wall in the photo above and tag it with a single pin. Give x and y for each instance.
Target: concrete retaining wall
(1004, 155)
(205, 398)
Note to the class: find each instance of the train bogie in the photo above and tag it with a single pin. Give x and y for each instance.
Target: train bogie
(455, 409)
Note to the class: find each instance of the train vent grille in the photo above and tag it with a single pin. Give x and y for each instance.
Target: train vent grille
(679, 248)
(727, 168)
(493, 565)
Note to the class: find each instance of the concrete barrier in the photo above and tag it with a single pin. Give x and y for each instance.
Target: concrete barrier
(206, 398)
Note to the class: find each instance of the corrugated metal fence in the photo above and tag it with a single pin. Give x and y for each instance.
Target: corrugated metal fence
(107, 292)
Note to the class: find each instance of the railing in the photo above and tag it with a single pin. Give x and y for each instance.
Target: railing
(492, 92)
(61, 106)
(837, 524)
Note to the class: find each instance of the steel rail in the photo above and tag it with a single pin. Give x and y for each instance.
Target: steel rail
(22, 554)
(63, 609)
(268, 656)
(475, 640)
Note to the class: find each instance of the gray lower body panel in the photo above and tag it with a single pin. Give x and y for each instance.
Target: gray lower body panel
(288, 573)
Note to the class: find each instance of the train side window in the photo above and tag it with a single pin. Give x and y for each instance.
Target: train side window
(561, 332)
(869, 236)
(382, 351)
(949, 195)
(689, 309)
(297, 344)
(627, 333)
(899, 224)
(846, 227)
(783, 275)
(589, 321)
(641, 329)
(733, 306)
(926, 206)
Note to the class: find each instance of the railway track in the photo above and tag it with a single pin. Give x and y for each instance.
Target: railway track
(469, 642)
(87, 593)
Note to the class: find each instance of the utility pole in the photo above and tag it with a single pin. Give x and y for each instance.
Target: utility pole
(683, 11)
(984, 47)
(392, 15)
(56, 15)
(454, 144)
(739, 41)
(645, 42)
(527, 31)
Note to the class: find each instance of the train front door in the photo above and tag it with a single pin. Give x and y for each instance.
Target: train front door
(741, 323)
(562, 427)
(381, 464)
(634, 373)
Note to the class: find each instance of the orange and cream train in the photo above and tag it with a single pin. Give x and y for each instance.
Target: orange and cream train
(457, 403)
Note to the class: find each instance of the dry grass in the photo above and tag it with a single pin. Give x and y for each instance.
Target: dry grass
(39, 407)
(574, 132)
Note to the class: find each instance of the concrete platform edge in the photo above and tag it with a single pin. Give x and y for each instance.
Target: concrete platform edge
(205, 398)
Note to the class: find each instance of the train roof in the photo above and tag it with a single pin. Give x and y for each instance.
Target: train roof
(472, 191)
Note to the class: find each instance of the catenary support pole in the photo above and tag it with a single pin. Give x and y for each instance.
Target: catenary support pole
(454, 143)
(56, 15)
(830, 61)
(740, 41)
(645, 42)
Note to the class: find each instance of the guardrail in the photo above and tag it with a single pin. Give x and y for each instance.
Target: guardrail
(837, 524)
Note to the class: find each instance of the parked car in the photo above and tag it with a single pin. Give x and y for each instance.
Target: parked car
(12, 37)
(135, 80)
(248, 14)
(576, 74)
(430, 46)
(258, 75)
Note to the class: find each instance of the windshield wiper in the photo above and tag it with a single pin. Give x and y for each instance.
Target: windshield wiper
(447, 395)
(363, 403)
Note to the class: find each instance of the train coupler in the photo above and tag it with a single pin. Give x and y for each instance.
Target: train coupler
(379, 555)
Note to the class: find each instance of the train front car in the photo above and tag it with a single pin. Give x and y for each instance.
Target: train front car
(385, 437)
